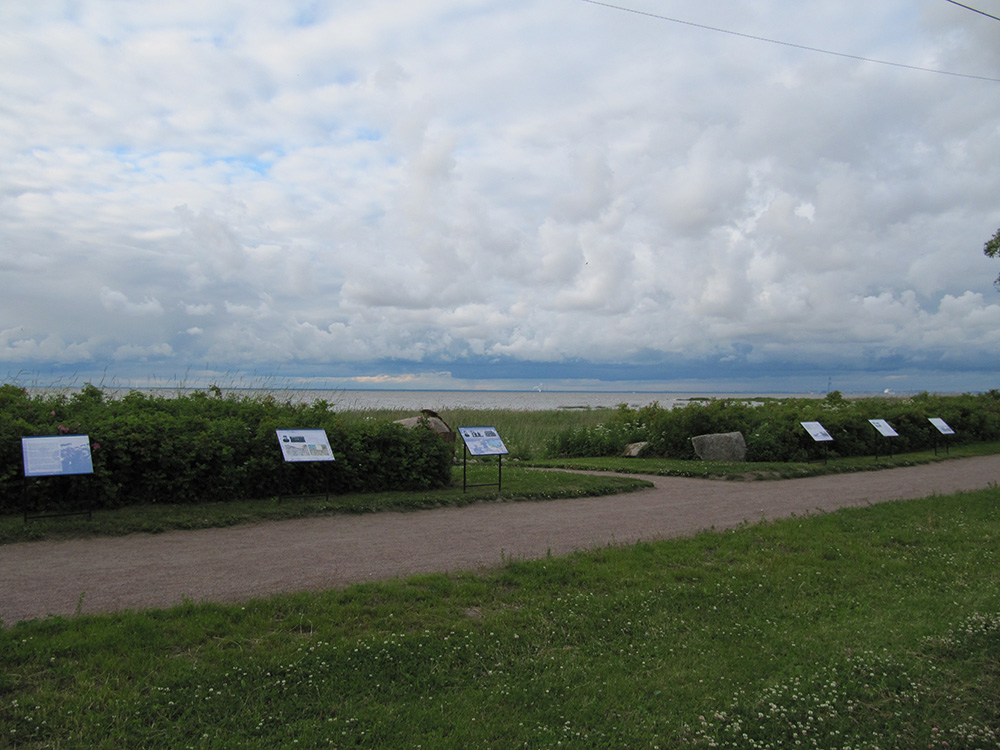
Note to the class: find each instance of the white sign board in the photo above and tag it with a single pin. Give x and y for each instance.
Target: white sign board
(56, 455)
(817, 432)
(483, 441)
(883, 427)
(941, 425)
(305, 445)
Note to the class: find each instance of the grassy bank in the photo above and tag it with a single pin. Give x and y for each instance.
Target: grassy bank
(763, 470)
(521, 480)
(865, 628)
(516, 484)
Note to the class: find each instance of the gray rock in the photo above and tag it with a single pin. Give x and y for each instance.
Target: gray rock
(432, 420)
(722, 446)
(632, 450)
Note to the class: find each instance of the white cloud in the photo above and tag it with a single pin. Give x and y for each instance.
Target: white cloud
(447, 182)
(116, 301)
(131, 352)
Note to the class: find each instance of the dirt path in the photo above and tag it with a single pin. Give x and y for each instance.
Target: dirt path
(235, 564)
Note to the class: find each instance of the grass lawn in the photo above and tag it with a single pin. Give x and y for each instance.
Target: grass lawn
(761, 470)
(520, 480)
(516, 484)
(876, 627)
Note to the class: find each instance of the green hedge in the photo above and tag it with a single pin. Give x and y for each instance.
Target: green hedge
(773, 431)
(205, 447)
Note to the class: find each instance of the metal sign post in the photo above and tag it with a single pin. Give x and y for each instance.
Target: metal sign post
(306, 446)
(55, 456)
(819, 435)
(884, 429)
(482, 441)
(943, 429)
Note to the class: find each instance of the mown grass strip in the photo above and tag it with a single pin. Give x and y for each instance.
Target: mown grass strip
(763, 470)
(868, 627)
(516, 484)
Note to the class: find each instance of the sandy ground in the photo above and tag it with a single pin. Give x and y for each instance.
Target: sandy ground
(39, 579)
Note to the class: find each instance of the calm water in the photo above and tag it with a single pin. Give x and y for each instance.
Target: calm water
(343, 400)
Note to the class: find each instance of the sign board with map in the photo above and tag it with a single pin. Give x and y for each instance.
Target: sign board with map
(883, 427)
(817, 432)
(305, 445)
(483, 441)
(941, 426)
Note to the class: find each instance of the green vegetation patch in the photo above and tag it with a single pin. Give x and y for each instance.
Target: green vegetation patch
(773, 432)
(757, 470)
(876, 627)
(516, 484)
(205, 447)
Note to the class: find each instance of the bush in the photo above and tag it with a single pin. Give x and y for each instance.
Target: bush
(773, 431)
(204, 447)
(605, 439)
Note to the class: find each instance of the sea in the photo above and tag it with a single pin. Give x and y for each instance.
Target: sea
(506, 400)
(415, 400)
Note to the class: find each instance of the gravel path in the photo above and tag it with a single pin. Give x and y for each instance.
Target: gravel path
(38, 579)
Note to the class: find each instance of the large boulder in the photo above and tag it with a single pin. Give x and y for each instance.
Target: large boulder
(432, 420)
(632, 450)
(722, 446)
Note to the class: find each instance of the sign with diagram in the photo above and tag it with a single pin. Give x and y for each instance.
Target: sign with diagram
(883, 427)
(941, 425)
(817, 432)
(305, 445)
(483, 441)
(56, 455)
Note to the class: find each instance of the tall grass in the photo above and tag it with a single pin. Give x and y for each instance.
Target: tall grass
(865, 628)
(525, 433)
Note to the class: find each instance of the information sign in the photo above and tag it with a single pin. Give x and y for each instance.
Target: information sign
(883, 427)
(941, 425)
(817, 432)
(56, 455)
(483, 441)
(305, 445)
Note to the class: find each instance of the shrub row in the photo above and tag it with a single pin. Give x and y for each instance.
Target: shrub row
(772, 428)
(204, 446)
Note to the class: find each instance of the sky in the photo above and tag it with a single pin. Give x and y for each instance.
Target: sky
(477, 194)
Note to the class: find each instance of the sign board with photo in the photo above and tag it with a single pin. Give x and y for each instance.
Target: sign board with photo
(305, 445)
(483, 441)
(883, 427)
(941, 426)
(57, 455)
(817, 432)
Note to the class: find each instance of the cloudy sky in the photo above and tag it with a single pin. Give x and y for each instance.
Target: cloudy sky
(487, 193)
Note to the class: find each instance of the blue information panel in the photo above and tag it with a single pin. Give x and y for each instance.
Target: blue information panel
(483, 441)
(305, 445)
(883, 427)
(817, 432)
(941, 426)
(56, 455)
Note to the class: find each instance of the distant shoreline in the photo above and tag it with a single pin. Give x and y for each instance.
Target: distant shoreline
(384, 399)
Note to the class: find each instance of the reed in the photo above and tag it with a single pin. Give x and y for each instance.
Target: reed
(527, 434)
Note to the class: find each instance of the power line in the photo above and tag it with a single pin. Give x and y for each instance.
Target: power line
(791, 44)
(974, 10)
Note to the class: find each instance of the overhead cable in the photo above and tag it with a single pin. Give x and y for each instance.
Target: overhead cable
(974, 10)
(791, 44)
